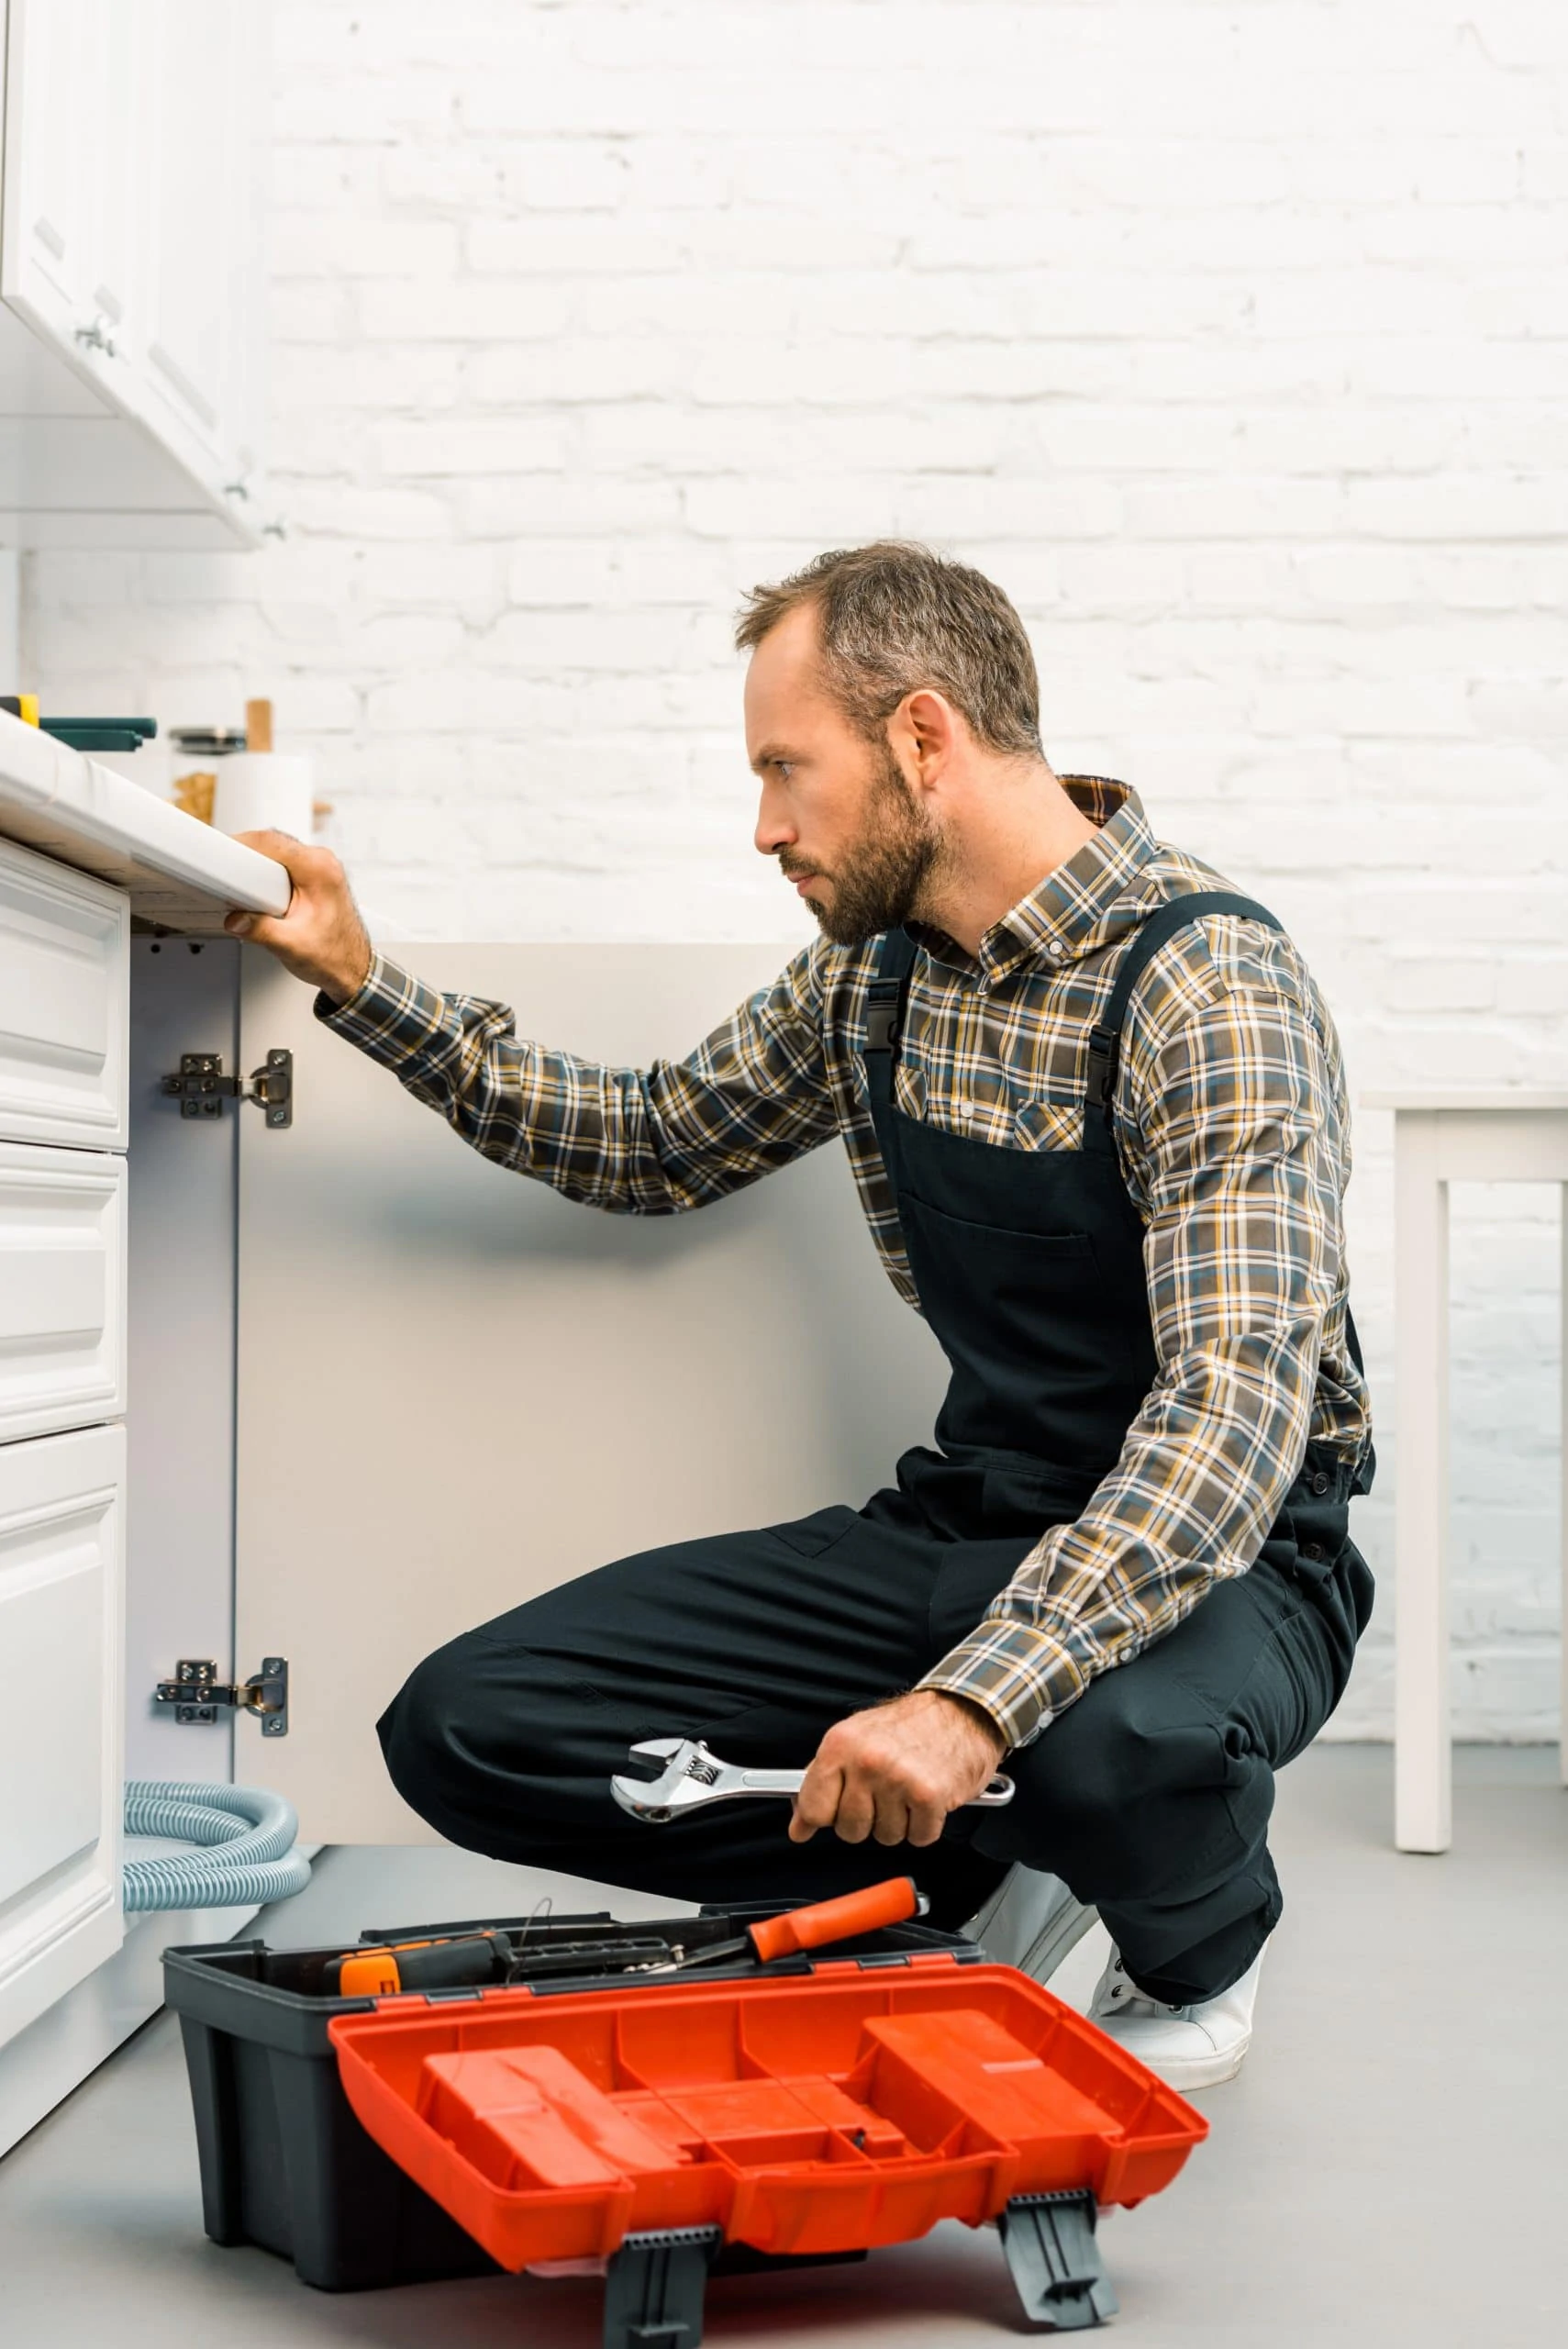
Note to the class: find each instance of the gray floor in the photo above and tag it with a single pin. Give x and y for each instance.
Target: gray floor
(1391, 2169)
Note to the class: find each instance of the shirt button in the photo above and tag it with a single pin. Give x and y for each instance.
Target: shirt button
(1320, 1482)
(1056, 950)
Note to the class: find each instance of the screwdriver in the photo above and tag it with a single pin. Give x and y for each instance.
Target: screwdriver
(888, 1903)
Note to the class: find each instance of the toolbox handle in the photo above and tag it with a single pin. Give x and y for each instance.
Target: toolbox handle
(832, 1920)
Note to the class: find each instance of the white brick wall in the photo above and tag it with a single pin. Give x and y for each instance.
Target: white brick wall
(1230, 340)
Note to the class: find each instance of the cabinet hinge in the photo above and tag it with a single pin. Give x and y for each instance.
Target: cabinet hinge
(198, 1694)
(201, 1087)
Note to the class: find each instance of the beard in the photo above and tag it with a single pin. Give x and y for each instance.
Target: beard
(878, 883)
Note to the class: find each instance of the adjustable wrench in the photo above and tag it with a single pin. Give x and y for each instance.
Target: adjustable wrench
(691, 1777)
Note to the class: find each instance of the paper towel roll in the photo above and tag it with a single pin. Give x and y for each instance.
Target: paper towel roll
(264, 790)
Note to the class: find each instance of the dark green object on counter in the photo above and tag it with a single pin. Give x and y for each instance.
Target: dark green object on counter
(100, 733)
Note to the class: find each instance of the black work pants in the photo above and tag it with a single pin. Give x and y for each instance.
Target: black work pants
(1150, 1796)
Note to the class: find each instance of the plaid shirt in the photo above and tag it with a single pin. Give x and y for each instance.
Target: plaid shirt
(1233, 1128)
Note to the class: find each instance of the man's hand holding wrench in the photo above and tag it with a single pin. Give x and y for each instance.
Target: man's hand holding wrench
(692, 1777)
(894, 1771)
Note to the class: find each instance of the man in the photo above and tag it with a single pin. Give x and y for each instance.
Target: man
(1095, 1110)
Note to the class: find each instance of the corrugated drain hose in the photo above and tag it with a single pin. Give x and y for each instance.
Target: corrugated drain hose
(250, 1834)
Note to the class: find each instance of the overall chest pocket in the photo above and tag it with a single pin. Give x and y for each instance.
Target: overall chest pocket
(1037, 1300)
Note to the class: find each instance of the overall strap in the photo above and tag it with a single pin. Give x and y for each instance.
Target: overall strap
(884, 996)
(1104, 1037)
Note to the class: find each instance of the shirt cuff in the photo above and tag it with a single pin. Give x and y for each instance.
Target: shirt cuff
(393, 1018)
(1020, 1677)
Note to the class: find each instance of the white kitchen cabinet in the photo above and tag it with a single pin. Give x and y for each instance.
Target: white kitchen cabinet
(131, 273)
(65, 1105)
(201, 292)
(72, 1983)
(61, 1600)
(72, 216)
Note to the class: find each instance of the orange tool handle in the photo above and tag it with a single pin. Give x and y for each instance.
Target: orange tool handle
(368, 1974)
(835, 1920)
(375, 1973)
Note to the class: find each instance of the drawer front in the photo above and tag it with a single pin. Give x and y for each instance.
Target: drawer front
(61, 1725)
(63, 1289)
(64, 1004)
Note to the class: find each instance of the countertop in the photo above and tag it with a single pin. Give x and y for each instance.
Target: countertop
(177, 872)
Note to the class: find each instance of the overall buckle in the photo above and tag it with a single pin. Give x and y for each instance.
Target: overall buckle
(1101, 1085)
(881, 1025)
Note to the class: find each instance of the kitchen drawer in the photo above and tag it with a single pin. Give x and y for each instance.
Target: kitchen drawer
(65, 1003)
(61, 1725)
(62, 1288)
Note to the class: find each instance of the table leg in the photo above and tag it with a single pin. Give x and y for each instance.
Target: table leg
(1423, 1755)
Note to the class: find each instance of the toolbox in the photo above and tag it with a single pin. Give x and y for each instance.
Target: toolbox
(286, 2164)
(646, 2099)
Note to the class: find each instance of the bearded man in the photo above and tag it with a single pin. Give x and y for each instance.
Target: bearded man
(1094, 1107)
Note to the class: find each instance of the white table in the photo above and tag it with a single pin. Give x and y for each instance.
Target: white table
(1441, 1138)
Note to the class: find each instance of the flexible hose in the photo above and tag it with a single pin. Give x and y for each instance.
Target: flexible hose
(251, 1832)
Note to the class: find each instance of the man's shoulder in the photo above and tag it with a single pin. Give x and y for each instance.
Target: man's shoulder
(1218, 954)
(1175, 872)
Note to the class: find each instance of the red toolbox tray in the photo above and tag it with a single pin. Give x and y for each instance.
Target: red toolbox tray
(811, 2114)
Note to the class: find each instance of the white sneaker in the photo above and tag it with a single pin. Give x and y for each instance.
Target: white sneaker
(1190, 2047)
(1031, 1921)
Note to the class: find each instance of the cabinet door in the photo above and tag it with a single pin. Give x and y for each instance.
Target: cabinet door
(204, 294)
(130, 242)
(61, 1723)
(63, 1289)
(64, 958)
(456, 1388)
(72, 211)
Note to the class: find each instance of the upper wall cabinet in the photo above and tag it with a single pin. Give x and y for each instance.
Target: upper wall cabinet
(132, 288)
(70, 232)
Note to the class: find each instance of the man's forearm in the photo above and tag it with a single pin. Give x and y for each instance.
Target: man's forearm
(577, 1126)
(634, 1142)
(1200, 1480)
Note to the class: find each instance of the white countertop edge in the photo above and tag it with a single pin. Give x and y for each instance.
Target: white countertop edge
(1412, 1099)
(57, 801)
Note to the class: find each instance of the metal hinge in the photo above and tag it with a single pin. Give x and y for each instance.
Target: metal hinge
(198, 1694)
(202, 1089)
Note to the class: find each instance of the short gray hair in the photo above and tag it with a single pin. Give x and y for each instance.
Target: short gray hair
(895, 616)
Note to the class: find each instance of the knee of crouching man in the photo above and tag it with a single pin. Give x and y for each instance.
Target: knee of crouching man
(417, 1728)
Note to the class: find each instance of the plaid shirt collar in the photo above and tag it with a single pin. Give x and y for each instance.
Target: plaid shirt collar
(1084, 905)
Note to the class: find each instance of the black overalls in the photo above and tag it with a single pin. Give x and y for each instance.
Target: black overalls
(1150, 1795)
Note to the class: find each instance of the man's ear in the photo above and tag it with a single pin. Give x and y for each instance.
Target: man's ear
(925, 729)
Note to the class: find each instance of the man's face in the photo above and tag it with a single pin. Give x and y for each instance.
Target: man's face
(836, 811)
